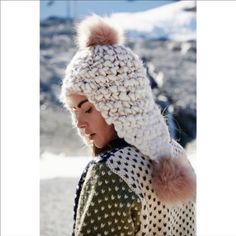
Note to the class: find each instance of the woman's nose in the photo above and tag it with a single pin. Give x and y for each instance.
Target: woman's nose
(80, 123)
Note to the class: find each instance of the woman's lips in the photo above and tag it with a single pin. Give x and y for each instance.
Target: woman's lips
(91, 136)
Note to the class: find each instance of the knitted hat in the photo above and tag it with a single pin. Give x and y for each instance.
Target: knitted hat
(114, 80)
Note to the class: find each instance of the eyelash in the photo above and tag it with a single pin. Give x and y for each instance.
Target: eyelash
(89, 110)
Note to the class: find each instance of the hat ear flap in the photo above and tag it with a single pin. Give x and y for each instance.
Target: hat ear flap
(174, 180)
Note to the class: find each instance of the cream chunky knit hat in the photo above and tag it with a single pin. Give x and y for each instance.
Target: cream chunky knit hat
(114, 79)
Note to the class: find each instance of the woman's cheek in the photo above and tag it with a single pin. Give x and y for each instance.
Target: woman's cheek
(91, 118)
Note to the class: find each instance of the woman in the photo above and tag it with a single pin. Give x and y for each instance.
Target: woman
(140, 181)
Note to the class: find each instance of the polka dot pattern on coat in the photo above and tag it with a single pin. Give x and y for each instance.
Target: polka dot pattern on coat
(117, 198)
(107, 205)
(156, 218)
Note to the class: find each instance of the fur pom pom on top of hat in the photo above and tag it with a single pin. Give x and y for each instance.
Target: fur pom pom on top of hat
(95, 30)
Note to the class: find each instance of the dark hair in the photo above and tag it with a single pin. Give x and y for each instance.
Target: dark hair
(96, 151)
(117, 142)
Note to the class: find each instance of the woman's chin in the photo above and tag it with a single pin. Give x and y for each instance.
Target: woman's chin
(98, 144)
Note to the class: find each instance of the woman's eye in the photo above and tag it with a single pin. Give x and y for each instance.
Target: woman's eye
(89, 110)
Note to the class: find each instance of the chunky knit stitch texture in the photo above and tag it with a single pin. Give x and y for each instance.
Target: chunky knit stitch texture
(113, 78)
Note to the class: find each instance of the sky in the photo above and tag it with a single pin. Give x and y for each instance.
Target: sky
(81, 8)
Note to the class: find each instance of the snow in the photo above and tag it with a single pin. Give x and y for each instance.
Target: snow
(170, 21)
(60, 166)
(53, 166)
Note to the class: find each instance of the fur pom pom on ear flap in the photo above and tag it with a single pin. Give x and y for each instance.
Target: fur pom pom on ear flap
(174, 180)
(95, 30)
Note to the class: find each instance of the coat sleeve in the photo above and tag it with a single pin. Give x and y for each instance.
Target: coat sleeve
(107, 205)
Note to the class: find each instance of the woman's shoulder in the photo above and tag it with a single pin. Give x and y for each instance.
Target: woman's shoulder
(117, 157)
(130, 165)
(122, 159)
(129, 158)
(104, 179)
(126, 163)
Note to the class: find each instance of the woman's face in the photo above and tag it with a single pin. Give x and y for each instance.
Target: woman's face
(90, 121)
